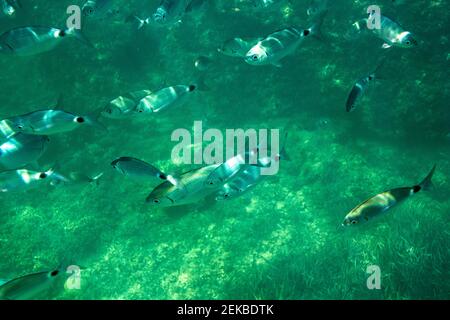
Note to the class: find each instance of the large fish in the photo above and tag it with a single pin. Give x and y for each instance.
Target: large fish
(30, 286)
(23, 179)
(392, 33)
(28, 41)
(238, 47)
(48, 122)
(280, 44)
(125, 105)
(164, 98)
(384, 201)
(138, 169)
(189, 189)
(22, 150)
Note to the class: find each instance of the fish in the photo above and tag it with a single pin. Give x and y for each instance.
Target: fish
(384, 201)
(392, 33)
(22, 150)
(225, 171)
(49, 122)
(238, 47)
(10, 7)
(242, 182)
(124, 106)
(23, 179)
(169, 11)
(164, 98)
(280, 44)
(30, 286)
(359, 88)
(138, 169)
(96, 9)
(29, 41)
(190, 189)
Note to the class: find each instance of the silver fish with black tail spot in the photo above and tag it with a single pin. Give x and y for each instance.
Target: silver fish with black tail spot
(139, 169)
(392, 33)
(28, 41)
(21, 150)
(48, 122)
(164, 98)
(384, 201)
(280, 44)
(189, 189)
(23, 179)
(123, 107)
(359, 88)
(31, 286)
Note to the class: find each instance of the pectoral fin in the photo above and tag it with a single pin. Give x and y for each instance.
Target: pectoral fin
(386, 46)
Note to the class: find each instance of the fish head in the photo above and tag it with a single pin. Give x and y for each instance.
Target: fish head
(160, 16)
(8, 9)
(158, 199)
(20, 125)
(111, 111)
(407, 40)
(256, 56)
(352, 219)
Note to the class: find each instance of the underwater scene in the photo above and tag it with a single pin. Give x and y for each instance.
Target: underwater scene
(104, 105)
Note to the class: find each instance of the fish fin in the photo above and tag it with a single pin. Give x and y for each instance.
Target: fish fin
(386, 46)
(426, 183)
(360, 25)
(315, 29)
(141, 22)
(92, 120)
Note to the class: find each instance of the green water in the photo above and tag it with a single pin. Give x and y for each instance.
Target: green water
(281, 240)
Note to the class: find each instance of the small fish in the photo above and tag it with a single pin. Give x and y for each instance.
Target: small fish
(164, 98)
(240, 183)
(279, 44)
(384, 201)
(30, 286)
(139, 169)
(390, 32)
(21, 150)
(48, 122)
(28, 41)
(238, 47)
(169, 12)
(190, 189)
(20, 180)
(125, 105)
(97, 9)
(359, 89)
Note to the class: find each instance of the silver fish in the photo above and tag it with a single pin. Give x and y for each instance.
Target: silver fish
(125, 105)
(390, 32)
(164, 98)
(48, 122)
(278, 45)
(384, 201)
(137, 169)
(238, 47)
(21, 150)
(97, 9)
(20, 180)
(240, 183)
(189, 189)
(30, 286)
(359, 88)
(169, 11)
(28, 41)
(9, 7)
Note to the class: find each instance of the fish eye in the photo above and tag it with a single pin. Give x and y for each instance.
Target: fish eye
(408, 42)
(54, 273)
(354, 222)
(254, 57)
(43, 175)
(62, 33)
(157, 201)
(79, 119)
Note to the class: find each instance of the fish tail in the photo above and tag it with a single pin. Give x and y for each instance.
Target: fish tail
(92, 120)
(426, 183)
(316, 29)
(141, 22)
